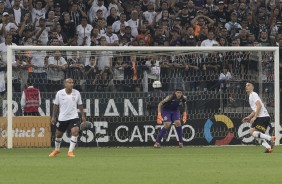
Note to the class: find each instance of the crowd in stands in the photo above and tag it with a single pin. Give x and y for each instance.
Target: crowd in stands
(135, 23)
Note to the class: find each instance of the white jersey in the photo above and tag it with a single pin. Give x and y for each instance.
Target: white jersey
(68, 104)
(253, 98)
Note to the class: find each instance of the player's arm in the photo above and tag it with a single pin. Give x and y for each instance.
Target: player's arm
(184, 117)
(256, 113)
(162, 102)
(159, 119)
(55, 111)
(82, 112)
(248, 117)
(80, 107)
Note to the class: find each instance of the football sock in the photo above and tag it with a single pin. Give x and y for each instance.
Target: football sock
(161, 134)
(179, 133)
(72, 143)
(265, 144)
(258, 134)
(259, 140)
(58, 143)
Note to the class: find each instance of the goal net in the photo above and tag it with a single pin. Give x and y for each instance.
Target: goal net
(120, 100)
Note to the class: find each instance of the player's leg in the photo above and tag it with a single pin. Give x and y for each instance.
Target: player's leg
(61, 127)
(166, 115)
(178, 128)
(162, 134)
(259, 127)
(74, 124)
(176, 120)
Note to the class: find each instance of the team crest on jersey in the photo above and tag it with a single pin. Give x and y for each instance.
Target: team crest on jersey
(165, 118)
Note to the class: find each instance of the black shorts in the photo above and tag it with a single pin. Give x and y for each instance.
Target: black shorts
(62, 126)
(261, 123)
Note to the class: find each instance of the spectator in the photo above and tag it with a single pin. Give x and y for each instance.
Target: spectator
(42, 32)
(3, 62)
(184, 16)
(210, 6)
(17, 11)
(242, 11)
(221, 13)
(224, 79)
(134, 23)
(128, 34)
(91, 74)
(67, 27)
(233, 26)
(264, 39)
(112, 39)
(76, 13)
(101, 25)
(55, 74)
(105, 57)
(51, 21)
(199, 22)
(37, 11)
(94, 8)
(30, 100)
(38, 71)
(74, 71)
(243, 37)
(153, 72)
(105, 82)
(118, 74)
(132, 75)
(62, 38)
(165, 72)
(115, 4)
(6, 25)
(19, 73)
(116, 25)
(16, 38)
(144, 35)
(210, 41)
(113, 16)
(25, 5)
(95, 36)
(222, 42)
(83, 32)
(150, 13)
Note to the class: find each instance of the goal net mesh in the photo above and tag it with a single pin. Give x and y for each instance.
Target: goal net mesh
(120, 101)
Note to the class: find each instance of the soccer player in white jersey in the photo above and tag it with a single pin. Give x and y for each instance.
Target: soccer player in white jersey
(66, 101)
(259, 119)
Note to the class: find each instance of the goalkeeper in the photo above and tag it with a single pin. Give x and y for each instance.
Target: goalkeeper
(168, 112)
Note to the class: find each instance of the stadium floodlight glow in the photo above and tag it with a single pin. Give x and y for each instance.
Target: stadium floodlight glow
(200, 50)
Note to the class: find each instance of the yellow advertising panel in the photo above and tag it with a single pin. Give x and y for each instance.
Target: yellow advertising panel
(28, 131)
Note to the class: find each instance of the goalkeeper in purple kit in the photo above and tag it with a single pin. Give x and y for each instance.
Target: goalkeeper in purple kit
(169, 112)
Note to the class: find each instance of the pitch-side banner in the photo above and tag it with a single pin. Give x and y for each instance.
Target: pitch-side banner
(122, 119)
(219, 130)
(28, 131)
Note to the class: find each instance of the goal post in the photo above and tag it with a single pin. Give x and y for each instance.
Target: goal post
(143, 50)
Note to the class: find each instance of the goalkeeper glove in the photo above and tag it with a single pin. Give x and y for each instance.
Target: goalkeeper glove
(160, 119)
(184, 117)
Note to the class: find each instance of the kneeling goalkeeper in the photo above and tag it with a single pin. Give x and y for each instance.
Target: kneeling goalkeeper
(168, 112)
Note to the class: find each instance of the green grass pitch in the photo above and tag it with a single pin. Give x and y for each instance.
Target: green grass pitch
(168, 165)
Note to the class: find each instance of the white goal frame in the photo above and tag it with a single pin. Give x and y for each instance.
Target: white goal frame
(12, 48)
